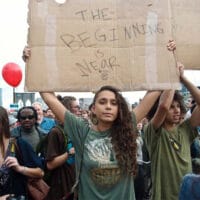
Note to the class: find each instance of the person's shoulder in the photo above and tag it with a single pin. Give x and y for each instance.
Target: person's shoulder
(41, 131)
(191, 178)
(56, 129)
(48, 123)
(186, 125)
(15, 132)
(55, 133)
(47, 119)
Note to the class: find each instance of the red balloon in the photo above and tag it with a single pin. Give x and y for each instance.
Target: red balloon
(12, 74)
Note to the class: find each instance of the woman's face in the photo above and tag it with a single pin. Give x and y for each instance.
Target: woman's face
(106, 107)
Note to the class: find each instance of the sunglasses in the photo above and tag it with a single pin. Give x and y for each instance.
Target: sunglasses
(27, 117)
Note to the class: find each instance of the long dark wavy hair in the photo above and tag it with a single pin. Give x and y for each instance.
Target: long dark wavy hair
(123, 135)
(4, 128)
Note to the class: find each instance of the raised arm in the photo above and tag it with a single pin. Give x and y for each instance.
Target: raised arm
(145, 105)
(49, 97)
(151, 96)
(195, 92)
(54, 104)
(164, 104)
(166, 98)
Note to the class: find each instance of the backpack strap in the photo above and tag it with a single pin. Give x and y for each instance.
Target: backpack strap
(61, 128)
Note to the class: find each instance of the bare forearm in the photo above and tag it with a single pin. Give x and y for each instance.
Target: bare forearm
(146, 104)
(31, 172)
(57, 161)
(166, 99)
(165, 102)
(47, 97)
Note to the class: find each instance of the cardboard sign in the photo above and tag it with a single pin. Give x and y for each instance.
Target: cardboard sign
(82, 45)
(186, 30)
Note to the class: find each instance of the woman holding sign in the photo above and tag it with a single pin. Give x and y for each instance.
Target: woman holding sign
(106, 151)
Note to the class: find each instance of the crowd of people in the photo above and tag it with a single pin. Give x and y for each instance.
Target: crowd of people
(107, 152)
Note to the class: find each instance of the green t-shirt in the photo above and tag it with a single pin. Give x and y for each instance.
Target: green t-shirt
(100, 178)
(169, 153)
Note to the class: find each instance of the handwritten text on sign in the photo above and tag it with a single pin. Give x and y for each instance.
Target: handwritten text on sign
(83, 45)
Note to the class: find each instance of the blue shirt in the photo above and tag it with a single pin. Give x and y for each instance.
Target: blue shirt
(47, 124)
(190, 187)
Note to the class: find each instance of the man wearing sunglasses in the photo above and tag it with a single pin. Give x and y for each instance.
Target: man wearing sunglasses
(28, 128)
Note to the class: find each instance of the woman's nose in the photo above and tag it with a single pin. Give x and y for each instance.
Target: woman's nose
(177, 109)
(108, 105)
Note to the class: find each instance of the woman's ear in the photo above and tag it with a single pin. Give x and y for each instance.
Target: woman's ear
(93, 109)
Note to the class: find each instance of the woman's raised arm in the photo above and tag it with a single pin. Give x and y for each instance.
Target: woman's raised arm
(54, 104)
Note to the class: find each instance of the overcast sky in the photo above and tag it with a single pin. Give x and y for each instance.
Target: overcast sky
(13, 37)
(13, 34)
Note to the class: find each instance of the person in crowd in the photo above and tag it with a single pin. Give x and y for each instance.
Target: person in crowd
(139, 179)
(71, 104)
(191, 183)
(189, 105)
(85, 115)
(195, 146)
(106, 151)
(49, 113)
(28, 128)
(145, 121)
(168, 140)
(17, 161)
(44, 123)
(142, 182)
(60, 156)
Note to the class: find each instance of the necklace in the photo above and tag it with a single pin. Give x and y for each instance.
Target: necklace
(175, 144)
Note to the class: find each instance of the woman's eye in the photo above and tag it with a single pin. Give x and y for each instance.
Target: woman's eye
(102, 102)
(105, 102)
(114, 103)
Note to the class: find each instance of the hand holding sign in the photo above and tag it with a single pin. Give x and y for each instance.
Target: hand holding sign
(12, 74)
